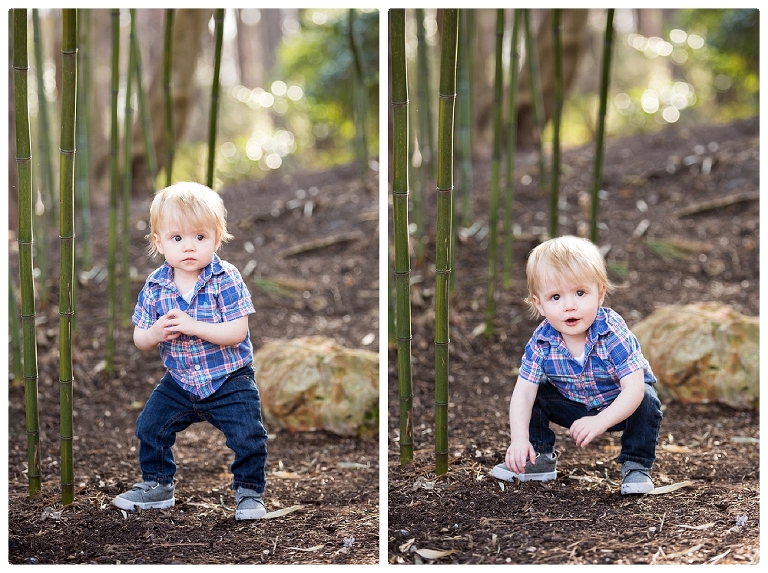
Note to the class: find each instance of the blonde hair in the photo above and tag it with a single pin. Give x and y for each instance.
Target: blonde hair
(192, 202)
(568, 257)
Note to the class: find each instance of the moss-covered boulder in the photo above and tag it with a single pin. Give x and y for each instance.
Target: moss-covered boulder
(703, 352)
(313, 383)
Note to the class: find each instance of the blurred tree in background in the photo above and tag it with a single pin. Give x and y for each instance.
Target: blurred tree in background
(319, 58)
(286, 99)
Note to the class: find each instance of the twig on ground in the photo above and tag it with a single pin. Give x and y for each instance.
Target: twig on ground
(321, 243)
(717, 203)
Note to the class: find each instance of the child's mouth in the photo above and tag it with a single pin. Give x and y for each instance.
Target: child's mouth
(571, 321)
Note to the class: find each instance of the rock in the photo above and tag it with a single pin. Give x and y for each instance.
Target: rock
(313, 383)
(703, 352)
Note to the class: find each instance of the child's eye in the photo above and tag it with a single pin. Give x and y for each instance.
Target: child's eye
(580, 293)
(176, 238)
(555, 297)
(200, 237)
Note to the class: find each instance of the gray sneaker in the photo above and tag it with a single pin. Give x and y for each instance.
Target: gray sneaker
(635, 478)
(146, 495)
(249, 504)
(544, 468)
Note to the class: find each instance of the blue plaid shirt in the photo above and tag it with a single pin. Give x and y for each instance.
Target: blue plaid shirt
(611, 353)
(220, 295)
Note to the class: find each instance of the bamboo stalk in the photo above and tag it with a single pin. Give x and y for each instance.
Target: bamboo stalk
(359, 97)
(114, 183)
(424, 98)
(83, 140)
(554, 194)
(47, 194)
(514, 70)
(400, 156)
(422, 133)
(465, 116)
(447, 102)
(605, 78)
(532, 62)
(127, 179)
(25, 241)
(67, 250)
(47, 182)
(218, 18)
(146, 120)
(167, 59)
(493, 215)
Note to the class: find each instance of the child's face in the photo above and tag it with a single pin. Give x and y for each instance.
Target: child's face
(187, 248)
(570, 306)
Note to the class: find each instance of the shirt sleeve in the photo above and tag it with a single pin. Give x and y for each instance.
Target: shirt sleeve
(144, 314)
(531, 365)
(625, 352)
(234, 298)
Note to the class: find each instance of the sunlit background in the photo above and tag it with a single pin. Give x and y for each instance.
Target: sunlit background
(669, 66)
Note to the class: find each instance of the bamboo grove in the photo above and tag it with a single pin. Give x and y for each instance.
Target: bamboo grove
(412, 136)
(74, 235)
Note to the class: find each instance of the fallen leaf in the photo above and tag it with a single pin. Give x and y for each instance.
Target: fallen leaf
(435, 553)
(281, 512)
(705, 526)
(670, 488)
(745, 440)
(693, 549)
(308, 549)
(407, 545)
(286, 475)
(352, 465)
(676, 449)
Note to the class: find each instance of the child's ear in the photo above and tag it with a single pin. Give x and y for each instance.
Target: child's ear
(158, 244)
(603, 290)
(537, 303)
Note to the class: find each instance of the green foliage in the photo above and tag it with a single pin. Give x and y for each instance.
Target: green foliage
(320, 60)
(703, 69)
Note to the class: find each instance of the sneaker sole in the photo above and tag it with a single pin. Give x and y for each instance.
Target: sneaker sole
(243, 514)
(635, 488)
(506, 475)
(132, 505)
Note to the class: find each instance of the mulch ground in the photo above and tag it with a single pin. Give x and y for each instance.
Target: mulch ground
(659, 187)
(308, 246)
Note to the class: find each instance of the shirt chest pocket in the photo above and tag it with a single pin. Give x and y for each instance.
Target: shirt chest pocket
(602, 368)
(206, 309)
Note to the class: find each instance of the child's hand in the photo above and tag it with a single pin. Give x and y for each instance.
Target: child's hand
(177, 322)
(586, 429)
(517, 452)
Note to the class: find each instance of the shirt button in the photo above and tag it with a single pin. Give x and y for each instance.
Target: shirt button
(197, 367)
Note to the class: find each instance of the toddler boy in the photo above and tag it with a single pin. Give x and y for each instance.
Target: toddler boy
(195, 309)
(582, 369)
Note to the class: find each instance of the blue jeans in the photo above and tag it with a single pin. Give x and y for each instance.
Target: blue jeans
(235, 409)
(640, 430)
